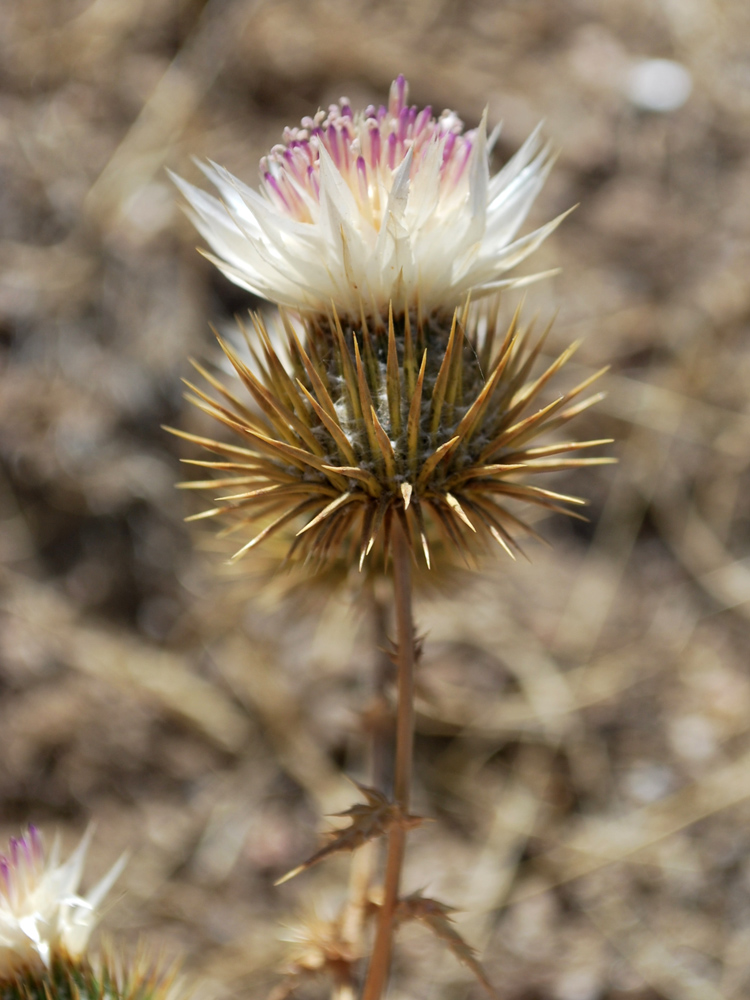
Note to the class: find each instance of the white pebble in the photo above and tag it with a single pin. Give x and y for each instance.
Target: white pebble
(659, 85)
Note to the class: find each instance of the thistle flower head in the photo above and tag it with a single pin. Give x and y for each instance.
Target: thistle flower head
(364, 209)
(398, 401)
(42, 915)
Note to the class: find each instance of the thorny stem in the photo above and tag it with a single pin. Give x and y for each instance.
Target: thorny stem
(381, 719)
(380, 724)
(380, 962)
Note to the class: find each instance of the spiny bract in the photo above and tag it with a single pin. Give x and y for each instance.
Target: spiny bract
(430, 422)
(68, 978)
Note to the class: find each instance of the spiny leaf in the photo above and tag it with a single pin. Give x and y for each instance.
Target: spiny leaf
(371, 362)
(437, 916)
(211, 512)
(374, 818)
(251, 343)
(251, 382)
(367, 522)
(504, 545)
(501, 514)
(524, 491)
(330, 533)
(287, 490)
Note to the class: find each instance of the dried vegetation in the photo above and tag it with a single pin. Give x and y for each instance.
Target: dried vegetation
(583, 720)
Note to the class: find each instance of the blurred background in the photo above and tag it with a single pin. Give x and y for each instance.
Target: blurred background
(584, 720)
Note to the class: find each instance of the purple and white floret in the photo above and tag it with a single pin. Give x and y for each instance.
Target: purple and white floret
(363, 209)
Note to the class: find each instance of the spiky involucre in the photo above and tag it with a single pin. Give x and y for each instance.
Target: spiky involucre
(425, 421)
(68, 978)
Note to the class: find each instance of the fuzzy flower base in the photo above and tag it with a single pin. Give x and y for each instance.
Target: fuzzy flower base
(435, 422)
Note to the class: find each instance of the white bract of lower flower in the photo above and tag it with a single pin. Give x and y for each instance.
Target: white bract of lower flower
(368, 208)
(41, 912)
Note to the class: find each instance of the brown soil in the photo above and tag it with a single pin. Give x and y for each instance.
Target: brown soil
(584, 724)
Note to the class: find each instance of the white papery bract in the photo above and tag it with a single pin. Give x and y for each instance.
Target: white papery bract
(41, 912)
(389, 205)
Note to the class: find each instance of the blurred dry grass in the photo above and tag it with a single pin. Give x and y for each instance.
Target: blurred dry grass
(585, 720)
